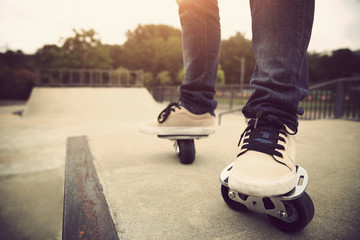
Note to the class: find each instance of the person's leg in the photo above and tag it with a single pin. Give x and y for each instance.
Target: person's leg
(281, 32)
(201, 46)
(194, 114)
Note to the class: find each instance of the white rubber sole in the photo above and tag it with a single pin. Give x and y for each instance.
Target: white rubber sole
(262, 187)
(177, 130)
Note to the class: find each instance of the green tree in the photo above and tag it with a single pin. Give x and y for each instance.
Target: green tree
(317, 67)
(152, 31)
(149, 79)
(232, 50)
(164, 78)
(17, 75)
(220, 80)
(117, 55)
(50, 56)
(83, 50)
(340, 63)
(344, 63)
(154, 48)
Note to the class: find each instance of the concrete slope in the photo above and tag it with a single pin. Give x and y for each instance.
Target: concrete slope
(98, 103)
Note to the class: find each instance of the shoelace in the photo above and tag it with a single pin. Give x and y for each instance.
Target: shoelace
(263, 135)
(166, 112)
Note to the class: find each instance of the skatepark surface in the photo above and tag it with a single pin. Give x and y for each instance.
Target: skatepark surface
(151, 195)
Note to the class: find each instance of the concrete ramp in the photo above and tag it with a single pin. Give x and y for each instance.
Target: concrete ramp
(91, 103)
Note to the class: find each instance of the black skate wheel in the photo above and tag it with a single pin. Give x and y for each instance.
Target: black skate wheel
(300, 212)
(231, 203)
(186, 151)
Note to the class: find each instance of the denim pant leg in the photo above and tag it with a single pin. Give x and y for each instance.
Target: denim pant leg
(281, 34)
(201, 46)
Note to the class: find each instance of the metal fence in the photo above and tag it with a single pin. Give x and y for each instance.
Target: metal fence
(339, 98)
(69, 77)
(228, 96)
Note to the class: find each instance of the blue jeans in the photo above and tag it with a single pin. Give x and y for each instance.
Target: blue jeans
(281, 33)
(201, 47)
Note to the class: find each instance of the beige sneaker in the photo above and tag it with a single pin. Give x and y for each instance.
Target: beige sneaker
(266, 164)
(177, 120)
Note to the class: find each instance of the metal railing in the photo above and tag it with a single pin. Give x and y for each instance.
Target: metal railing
(339, 98)
(227, 96)
(69, 77)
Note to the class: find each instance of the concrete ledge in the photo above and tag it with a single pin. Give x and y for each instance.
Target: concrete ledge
(86, 212)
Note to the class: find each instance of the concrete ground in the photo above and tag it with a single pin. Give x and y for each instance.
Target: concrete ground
(150, 194)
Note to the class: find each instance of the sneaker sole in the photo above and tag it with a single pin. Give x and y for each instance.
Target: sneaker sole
(263, 187)
(178, 130)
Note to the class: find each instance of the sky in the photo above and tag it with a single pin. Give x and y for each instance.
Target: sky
(28, 25)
